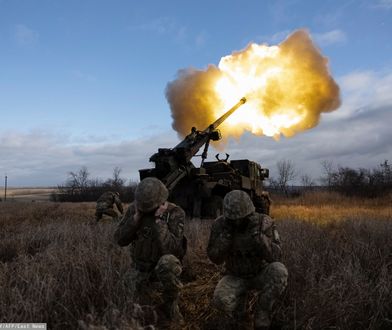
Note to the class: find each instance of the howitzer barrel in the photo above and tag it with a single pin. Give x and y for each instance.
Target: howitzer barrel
(197, 138)
(228, 113)
(172, 165)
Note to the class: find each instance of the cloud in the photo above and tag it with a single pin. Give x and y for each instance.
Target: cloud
(167, 26)
(281, 11)
(25, 36)
(162, 26)
(324, 39)
(200, 39)
(363, 91)
(359, 141)
(44, 158)
(330, 37)
(356, 135)
(382, 4)
(335, 14)
(274, 39)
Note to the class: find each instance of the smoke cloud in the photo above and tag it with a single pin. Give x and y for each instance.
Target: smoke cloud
(287, 88)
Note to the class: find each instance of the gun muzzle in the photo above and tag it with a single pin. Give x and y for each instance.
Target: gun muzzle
(228, 113)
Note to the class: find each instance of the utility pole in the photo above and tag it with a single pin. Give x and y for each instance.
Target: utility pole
(5, 188)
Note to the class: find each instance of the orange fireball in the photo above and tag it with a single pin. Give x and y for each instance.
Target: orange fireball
(287, 88)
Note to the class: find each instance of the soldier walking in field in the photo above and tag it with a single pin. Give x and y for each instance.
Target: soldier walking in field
(155, 229)
(248, 244)
(105, 205)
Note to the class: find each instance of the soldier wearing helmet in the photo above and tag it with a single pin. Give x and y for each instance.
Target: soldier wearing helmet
(155, 228)
(105, 205)
(248, 244)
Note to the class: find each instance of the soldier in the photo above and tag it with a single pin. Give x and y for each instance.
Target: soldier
(248, 244)
(105, 205)
(155, 228)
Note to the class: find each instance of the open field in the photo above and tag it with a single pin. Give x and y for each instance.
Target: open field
(28, 194)
(55, 267)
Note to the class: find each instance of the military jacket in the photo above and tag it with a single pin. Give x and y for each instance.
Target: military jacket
(107, 200)
(244, 249)
(153, 236)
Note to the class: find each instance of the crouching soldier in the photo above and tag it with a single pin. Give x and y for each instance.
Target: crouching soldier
(248, 244)
(105, 205)
(155, 229)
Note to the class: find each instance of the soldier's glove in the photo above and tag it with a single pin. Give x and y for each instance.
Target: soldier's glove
(161, 210)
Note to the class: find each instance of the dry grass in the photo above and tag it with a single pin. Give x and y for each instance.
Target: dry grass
(325, 207)
(29, 194)
(29, 191)
(56, 268)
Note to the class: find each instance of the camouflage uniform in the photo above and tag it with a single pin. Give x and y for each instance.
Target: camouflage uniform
(157, 244)
(248, 244)
(105, 205)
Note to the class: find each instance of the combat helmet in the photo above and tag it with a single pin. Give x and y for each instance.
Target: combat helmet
(237, 205)
(149, 194)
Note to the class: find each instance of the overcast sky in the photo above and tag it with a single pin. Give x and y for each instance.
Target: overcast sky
(82, 82)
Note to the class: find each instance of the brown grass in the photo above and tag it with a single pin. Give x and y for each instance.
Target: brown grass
(56, 268)
(29, 191)
(29, 194)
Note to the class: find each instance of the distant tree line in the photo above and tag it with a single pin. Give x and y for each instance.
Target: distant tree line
(361, 182)
(375, 182)
(80, 187)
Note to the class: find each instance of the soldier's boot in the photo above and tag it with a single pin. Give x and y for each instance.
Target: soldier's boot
(168, 270)
(274, 282)
(145, 315)
(240, 314)
(265, 301)
(172, 312)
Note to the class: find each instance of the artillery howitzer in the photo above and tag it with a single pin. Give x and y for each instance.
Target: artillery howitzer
(200, 190)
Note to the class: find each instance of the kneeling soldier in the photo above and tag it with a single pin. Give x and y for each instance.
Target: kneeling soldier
(248, 244)
(105, 205)
(155, 228)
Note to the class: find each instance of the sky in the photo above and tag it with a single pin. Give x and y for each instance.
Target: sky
(82, 82)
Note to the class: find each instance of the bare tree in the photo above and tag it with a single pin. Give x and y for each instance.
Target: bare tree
(286, 173)
(307, 181)
(386, 170)
(329, 171)
(78, 181)
(80, 187)
(116, 181)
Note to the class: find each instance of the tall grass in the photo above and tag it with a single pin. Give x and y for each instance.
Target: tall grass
(57, 268)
